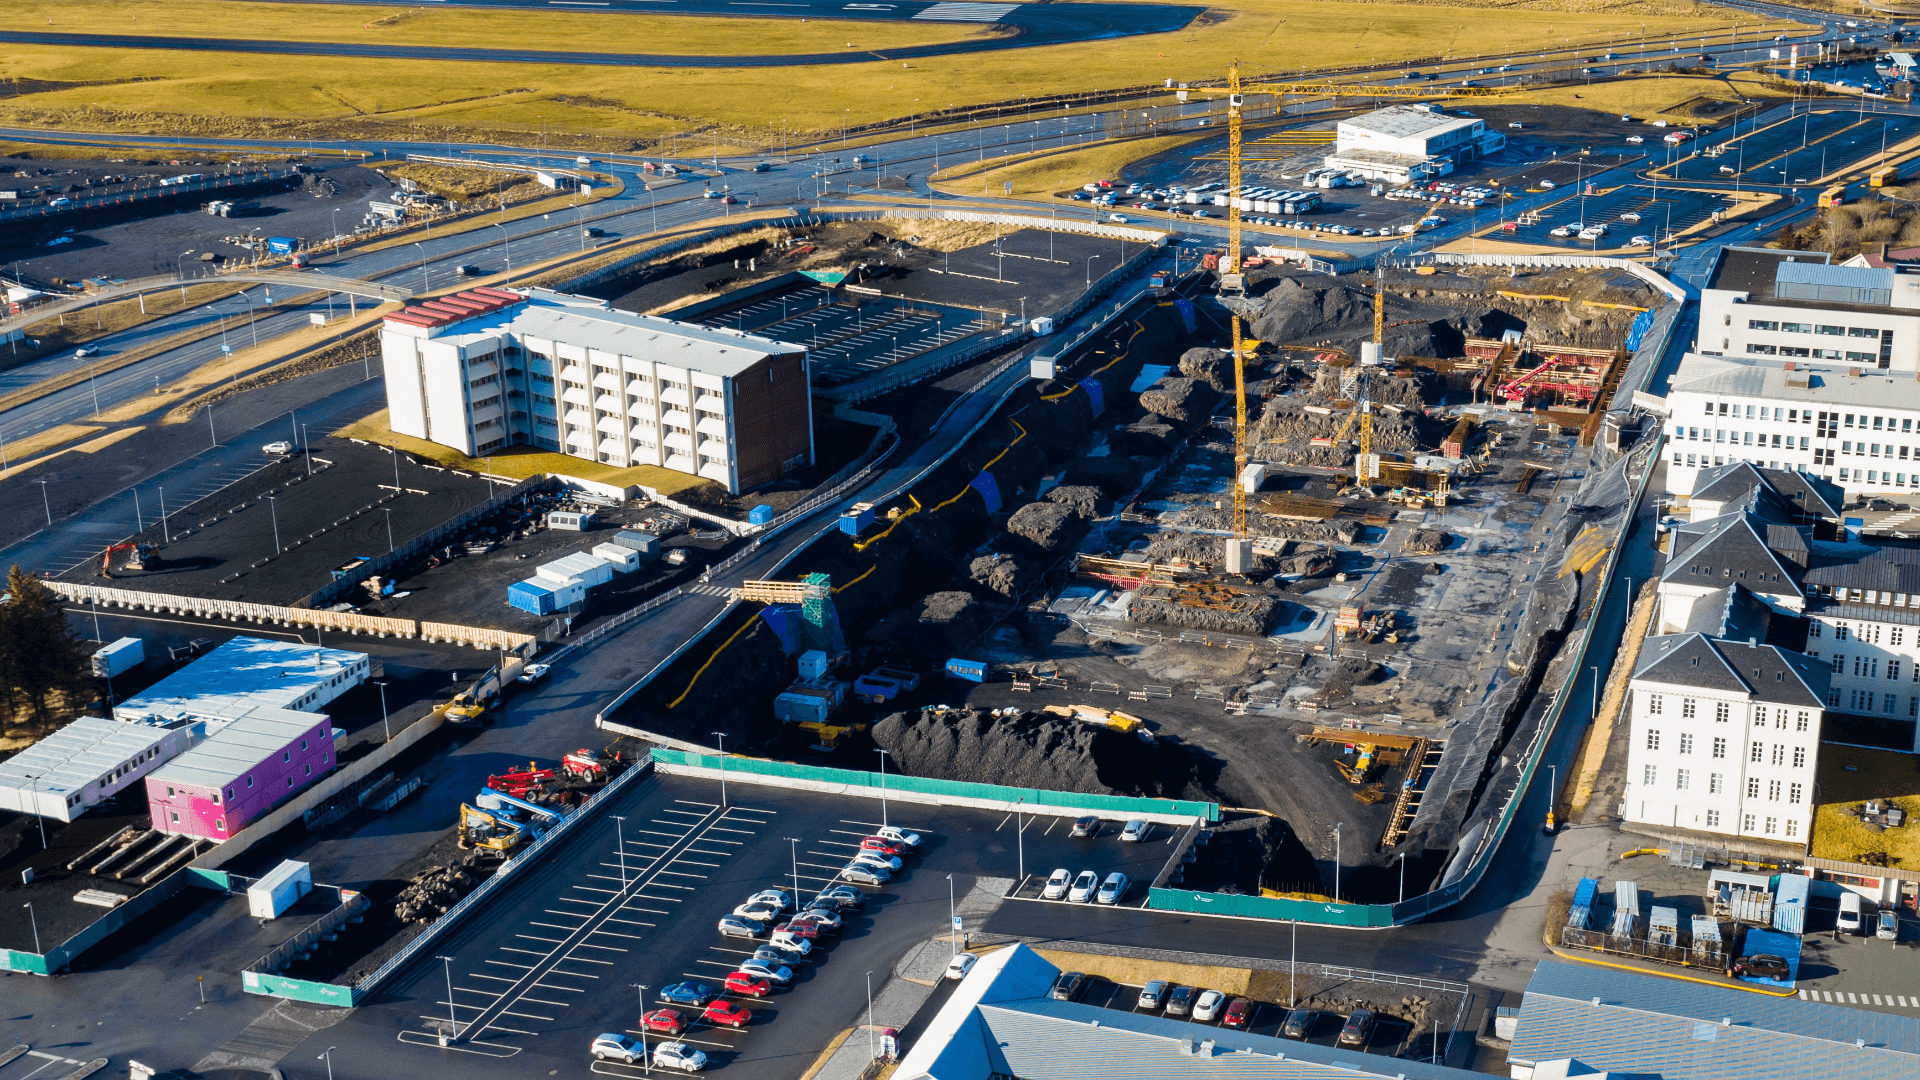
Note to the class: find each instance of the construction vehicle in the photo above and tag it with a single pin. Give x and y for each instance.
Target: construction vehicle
(482, 831)
(141, 557)
(1374, 749)
(531, 816)
(465, 708)
(830, 736)
(520, 782)
(1118, 721)
(585, 764)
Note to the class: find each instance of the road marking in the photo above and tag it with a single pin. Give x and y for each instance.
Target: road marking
(618, 934)
(554, 926)
(609, 948)
(503, 963)
(587, 960)
(494, 978)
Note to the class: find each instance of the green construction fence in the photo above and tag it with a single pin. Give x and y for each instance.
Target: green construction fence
(1038, 798)
(319, 993)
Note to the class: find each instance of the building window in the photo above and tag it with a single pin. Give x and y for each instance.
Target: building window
(1713, 783)
(289, 781)
(1793, 827)
(1759, 716)
(1753, 786)
(1650, 775)
(1813, 629)
(1721, 712)
(1839, 667)
(1839, 631)
(1779, 754)
(1773, 791)
(1793, 793)
(1799, 757)
(1686, 742)
(1681, 779)
(1719, 747)
(1713, 819)
(1759, 750)
(175, 815)
(1771, 824)
(1653, 704)
(1653, 739)
(1800, 720)
(249, 781)
(1686, 708)
(1780, 719)
(1746, 822)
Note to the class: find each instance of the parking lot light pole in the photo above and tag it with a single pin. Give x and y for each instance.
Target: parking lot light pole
(273, 511)
(620, 838)
(952, 937)
(720, 740)
(453, 1020)
(793, 846)
(327, 1056)
(883, 786)
(1336, 861)
(1403, 877)
(871, 1053)
(384, 726)
(388, 510)
(1090, 259)
(1020, 838)
(646, 1059)
(31, 918)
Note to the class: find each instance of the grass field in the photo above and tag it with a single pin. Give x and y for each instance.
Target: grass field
(1850, 775)
(520, 462)
(1652, 95)
(242, 94)
(1040, 177)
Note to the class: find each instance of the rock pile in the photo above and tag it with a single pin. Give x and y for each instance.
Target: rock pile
(1048, 528)
(1186, 402)
(1250, 615)
(437, 888)
(1088, 502)
(1426, 541)
(1035, 750)
(1211, 366)
(1002, 575)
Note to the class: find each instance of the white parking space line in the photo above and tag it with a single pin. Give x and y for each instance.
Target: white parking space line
(718, 840)
(609, 948)
(742, 832)
(629, 937)
(529, 952)
(562, 989)
(527, 1016)
(657, 832)
(530, 937)
(591, 888)
(490, 978)
(586, 960)
(554, 926)
(503, 963)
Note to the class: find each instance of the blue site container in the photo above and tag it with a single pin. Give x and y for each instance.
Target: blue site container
(970, 670)
(531, 596)
(855, 521)
(281, 245)
(760, 515)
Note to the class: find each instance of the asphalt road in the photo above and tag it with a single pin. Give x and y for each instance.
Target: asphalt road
(1030, 25)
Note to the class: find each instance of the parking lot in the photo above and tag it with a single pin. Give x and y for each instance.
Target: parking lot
(631, 900)
(846, 341)
(1100, 853)
(1389, 1036)
(1661, 211)
(1801, 150)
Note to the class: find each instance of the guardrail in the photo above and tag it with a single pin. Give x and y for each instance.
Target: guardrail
(505, 873)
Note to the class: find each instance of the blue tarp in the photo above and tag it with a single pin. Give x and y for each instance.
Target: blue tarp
(1096, 394)
(1149, 374)
(1641, 324)
(1785, 946)
(796, 637)
(1185, 308)
(989, 490)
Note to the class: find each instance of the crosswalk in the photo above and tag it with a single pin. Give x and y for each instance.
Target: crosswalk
(967, 12)
(1842, 997)
(710, 590)
(1894, 521)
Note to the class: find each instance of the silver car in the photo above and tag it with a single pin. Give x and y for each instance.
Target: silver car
(890, 863)
(1083, 887)
(862, 874)
(1112, 889)
(767, 969)
(731, 926)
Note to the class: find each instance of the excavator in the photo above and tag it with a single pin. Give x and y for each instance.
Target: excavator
(486, 832)
(142, 557)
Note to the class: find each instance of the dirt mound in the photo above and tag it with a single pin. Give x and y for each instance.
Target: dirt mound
(1113, 475)
(1347, 674)
(1186, 402)
(1003, 575)
(1146, 438)
(1250, 615)
(1250, 853)
(942, 624)
(1085, 500)
(1426, 541)
(1036, 750)
(1048, 528)
(1211, 366)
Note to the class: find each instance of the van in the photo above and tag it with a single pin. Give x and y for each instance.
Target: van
(1849, 921)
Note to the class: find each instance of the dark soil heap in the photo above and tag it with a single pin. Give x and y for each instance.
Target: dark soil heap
(1038, 751)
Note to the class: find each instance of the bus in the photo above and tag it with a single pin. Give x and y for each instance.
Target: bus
(1884, 176)
(1833, 196)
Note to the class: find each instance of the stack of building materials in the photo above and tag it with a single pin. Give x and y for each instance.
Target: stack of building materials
(1581, 913)
(1626, 909)
(1790, 905)
(1707, 950)
(1747, 898)
(1663, 926)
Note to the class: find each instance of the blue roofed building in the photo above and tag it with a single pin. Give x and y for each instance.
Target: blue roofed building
(1648, 1028)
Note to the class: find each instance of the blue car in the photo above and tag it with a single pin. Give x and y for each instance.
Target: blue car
(692, 994)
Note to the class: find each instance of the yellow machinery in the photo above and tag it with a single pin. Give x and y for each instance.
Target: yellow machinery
(486, 832)
(1373, 748)
(830, 735)
(466, 709)
(1113, 718)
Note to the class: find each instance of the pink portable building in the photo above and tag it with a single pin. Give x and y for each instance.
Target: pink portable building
(240, 772)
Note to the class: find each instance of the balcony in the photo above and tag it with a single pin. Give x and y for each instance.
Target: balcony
(674, 397)
(574, 395)
(607, 380)
(677, 418)
(710, 402)
(609, 425)
(712, 425)
(679, 463)
(679, 443)
(713, 448)
(609, 403)
(578, 418)
(574, 373)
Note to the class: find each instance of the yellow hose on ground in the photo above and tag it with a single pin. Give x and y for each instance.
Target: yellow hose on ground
(708, 664)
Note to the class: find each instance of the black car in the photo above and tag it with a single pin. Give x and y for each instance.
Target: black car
(1299, 1023)
(1180, 1002)
(765, 166)
(1085, 826)
(1761, 966)
(1069, 986)
(1358, 1028)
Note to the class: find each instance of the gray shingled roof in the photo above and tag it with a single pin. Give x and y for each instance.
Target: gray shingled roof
(1730, 549)
(1732, 612)
(1864, 566)
(1799, 493)
(1767, 672)
(1643, 1025)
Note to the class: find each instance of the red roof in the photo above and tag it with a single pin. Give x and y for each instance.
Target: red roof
(465, 304)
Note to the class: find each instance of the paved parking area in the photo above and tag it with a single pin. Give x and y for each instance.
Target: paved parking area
(631, 899)
(1102, 852)
(1801, 150)
(845, 341)
(1389, 1038)
(1661, 210)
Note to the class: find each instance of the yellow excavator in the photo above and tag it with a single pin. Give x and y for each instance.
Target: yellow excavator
(486, 832)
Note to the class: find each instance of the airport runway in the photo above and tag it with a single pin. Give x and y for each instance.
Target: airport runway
(1025, 26)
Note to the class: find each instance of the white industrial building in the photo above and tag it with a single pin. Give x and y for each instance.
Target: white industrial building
(486, 368)
(87, 762)
(1766, 302)
(1405, 143)
(247, 674)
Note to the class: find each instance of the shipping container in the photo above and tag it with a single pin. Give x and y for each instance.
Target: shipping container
(624, 560)
(570, 520)
(118, 656)
(760, 515)
(534, 596)
(282, 888)
(580, 566)
(970, 670)
(281, 245)
(855, 520)
(647, 544)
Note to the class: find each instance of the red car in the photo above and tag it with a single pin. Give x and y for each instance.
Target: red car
(728, 1013)
(742, 983)
(1237, 1014)
(883, 846)
(671, 1021)
(799, 929)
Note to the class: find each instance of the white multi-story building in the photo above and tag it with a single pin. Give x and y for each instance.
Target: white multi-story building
(1405, 142)
(486, 368)
(1725, 737)
(1795, 306)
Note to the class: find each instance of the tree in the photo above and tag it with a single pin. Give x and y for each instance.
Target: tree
(42, 664)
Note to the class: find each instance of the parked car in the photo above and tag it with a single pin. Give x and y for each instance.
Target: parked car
(759, 913)
(1135, 831)
(678, 1055)
(1762, 966)
(1358, 1028)
(1207, 1005)
(615, 1047)
(1850, 920)
(1887, 925)
(1086, 826)
(1057, 883)
(1180, 1000)
(533, 673)
(727, 1014)
(778, 974)
(1069, 986)
(733, 926)
(1300, 1023)
(898, 835)
(1239, 1013)
(691, 994)
(748, 985)
(1112, 889)
(883, 846)
(281, 447)
(777, 897)
(873, 858)
(841, 897)
(823, 919)
(1153, 995)
(789, 944)
(1083, 887)
(671, 1021)
(769, 954)
(961, 963)
(864, 875)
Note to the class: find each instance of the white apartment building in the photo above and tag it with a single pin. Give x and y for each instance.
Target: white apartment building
(1725, 737)
(487, 368)
(1793, 305)
(1863, 612)
(1858, 427)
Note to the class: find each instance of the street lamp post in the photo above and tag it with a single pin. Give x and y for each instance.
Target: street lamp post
(646, 1059)
(1090, 259)
(388, 510)
(31, 918)
(720, 740)
(506, 241)
(453, 1021)
(273, 512)
(952, 938)
(1020, 839)
(1336, 861)
(327, 1056)
(620, 840)
(871, 1053)
(1403, 877)
(424, 286)
(384, 726)
(46, 502)
(883, 786)
(793, 848)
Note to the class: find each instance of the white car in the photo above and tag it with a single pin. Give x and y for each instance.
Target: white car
(962, 963)
(1083, 887)
(678, 1055)
(1207, 1006)
(1056, 886)
(890, 863)
(897, 835)
(1636, 139)
(281, 447)
(616, 1047)
(789, 944)
(767, 969)
(1136, 831)
(533, 673)
(1641, 241)
(777, 897)
(1119, 219)
(760, 913)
